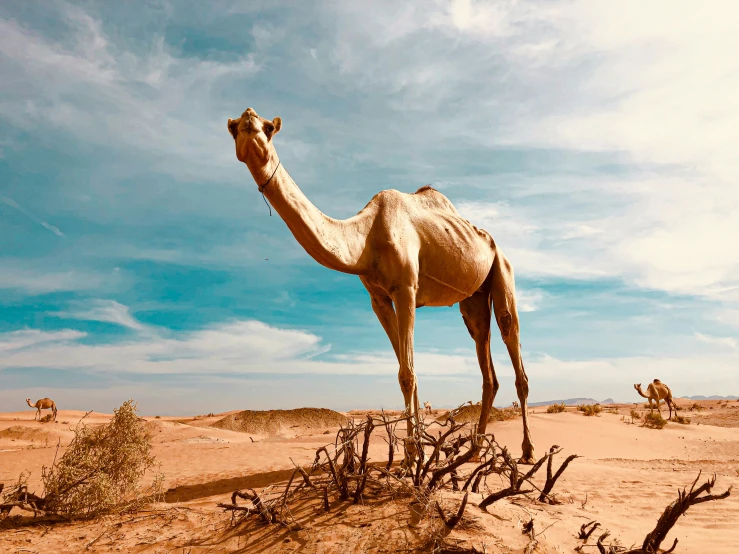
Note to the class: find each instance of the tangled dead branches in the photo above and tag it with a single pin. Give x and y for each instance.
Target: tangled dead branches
(438, 455)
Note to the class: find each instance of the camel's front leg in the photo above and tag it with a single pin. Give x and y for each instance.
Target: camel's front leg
(404, 299)
(506, 315)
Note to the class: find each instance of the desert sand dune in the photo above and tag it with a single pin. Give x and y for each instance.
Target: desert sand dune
(626, 476)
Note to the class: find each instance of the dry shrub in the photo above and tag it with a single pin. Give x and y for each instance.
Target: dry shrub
(102, 468)
(635, 416)
(654, 421)
(590, 409)
(681, 419)
(556, 408)
(696, 407)
(503, 415)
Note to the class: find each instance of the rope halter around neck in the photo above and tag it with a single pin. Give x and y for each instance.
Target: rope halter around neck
(262, 187)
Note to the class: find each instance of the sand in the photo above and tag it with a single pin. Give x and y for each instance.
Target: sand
(626, 477)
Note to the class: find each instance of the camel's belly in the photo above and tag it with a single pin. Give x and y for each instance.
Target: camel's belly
(446, 285)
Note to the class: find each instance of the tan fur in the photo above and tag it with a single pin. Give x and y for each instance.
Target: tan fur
(427, 406)
(409, 250)
(43, 404)
(657, 390)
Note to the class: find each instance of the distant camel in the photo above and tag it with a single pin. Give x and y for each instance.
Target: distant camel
(43, 404)
(427, 406)
(657, 390)
(515, 404)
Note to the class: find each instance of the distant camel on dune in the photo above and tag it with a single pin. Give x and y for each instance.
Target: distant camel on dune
(43, 404)
(427, 406)
(657, 390)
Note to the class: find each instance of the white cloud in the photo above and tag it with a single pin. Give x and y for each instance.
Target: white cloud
(46, 225)
(37, 281)
(233, 347)
(108, 311)
(586, 75)
(18, 341)
(729, 342)
(155, 102)
(528, 300)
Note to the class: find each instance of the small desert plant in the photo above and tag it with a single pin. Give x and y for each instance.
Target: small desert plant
(654, 421)
(590, 409)
(612, 411)
(696, 407)
(635, 416)
(556, 408)
(157, 417)
(681, 419)
(46, 419)
(102, 468)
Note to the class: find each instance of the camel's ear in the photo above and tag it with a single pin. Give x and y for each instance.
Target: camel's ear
(271, 128)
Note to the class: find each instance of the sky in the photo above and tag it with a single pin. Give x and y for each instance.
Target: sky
(595, 140)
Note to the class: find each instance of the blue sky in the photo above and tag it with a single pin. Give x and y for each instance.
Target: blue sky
(596, 141)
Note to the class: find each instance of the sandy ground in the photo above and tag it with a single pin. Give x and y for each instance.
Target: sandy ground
(625, 478)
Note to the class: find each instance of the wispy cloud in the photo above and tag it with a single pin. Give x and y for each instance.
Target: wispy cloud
(13, 204)
(233, 347)
(153, 101)
(108, 311)
(529, 300)
(729, 342)
(18, 341)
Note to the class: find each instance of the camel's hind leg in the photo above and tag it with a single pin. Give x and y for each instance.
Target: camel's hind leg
(476, 314)
(506, 315)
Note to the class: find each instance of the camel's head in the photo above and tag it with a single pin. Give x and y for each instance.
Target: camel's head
(253, 137)
(637, 386)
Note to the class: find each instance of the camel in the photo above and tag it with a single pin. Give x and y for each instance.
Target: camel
(657, 390)
(427, 406)
(43, 404)
(409, 251)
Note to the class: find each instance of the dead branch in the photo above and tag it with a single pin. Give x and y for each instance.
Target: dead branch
(452, 522)
(672, 513)
(552, 479)
(587, 529)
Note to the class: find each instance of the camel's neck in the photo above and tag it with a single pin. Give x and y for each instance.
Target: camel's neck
(641, 392)
(29, 403)
(333, 243)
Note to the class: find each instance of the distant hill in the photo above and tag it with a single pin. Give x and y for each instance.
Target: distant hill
(573, 401)
(712, 397)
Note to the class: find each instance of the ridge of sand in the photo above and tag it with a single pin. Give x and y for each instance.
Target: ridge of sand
(471, 414)
(277, 422)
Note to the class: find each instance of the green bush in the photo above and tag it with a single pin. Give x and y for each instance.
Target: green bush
(102, 467)
(654, 421)
(590, 409)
